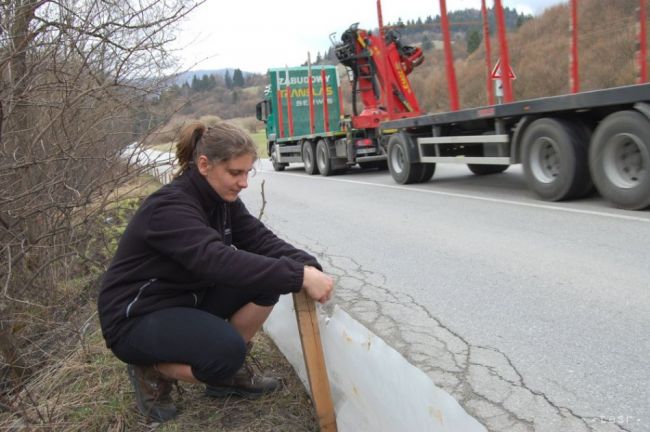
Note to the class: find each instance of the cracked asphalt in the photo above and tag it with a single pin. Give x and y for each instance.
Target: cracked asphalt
(533, 319)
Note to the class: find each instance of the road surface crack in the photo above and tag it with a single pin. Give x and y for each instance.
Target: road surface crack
(482, 378)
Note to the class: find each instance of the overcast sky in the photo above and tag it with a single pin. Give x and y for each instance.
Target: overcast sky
(258, 34)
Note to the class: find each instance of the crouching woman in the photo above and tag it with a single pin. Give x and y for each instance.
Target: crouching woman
(195, 276)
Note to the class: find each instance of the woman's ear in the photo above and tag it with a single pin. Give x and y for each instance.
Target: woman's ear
(203, 164)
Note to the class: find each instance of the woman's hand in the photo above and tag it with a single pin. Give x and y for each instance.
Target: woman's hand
(317, 284)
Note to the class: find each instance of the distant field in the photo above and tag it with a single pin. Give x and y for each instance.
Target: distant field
(260, 140)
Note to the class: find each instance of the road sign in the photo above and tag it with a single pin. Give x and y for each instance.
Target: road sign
(497, 73)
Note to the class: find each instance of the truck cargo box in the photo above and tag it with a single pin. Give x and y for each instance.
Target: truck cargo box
(298, 80)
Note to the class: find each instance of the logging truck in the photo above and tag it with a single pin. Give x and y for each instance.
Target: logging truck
(568, 144)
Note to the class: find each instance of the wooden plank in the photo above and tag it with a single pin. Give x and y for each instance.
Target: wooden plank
(312, 349)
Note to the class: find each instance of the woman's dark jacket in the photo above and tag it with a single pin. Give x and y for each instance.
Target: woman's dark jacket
(178, 245)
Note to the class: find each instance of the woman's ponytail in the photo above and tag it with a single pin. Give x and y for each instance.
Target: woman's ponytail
(190, 136)
(218, 143)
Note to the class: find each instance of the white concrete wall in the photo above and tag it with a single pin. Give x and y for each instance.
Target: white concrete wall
(373, 386)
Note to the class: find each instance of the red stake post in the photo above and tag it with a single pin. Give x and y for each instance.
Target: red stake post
(488, 53)
(574, 78)
(289, 111)
(449, 58)
(503, 47)
(326, 114)
(643, 43)
(280, 119)
(310, 86)
(385, 95)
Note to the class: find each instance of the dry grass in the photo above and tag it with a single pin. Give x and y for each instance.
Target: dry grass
(140, 187)
(260, 141)
(89, 391)
(79, 385)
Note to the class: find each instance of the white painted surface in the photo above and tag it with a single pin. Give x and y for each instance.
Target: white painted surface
(373, 386)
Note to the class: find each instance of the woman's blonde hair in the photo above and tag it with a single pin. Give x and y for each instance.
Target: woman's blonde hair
(218, 143)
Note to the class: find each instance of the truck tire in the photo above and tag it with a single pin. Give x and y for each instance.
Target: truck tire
(323, 159)
(309, 157)
(277, 166)
(400, 166)
(427, 172)
(619, 159)
(480, 169)
(554, 159)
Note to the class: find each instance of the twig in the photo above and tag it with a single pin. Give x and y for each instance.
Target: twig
(263, 201)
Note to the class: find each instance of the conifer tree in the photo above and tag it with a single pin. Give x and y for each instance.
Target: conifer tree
(228, 80)
(238, 78)
(473, 41)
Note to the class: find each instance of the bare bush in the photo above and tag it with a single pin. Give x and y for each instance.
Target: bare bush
(210, 120)
(76, 80)
(251, 124)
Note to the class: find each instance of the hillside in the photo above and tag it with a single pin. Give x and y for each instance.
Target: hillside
(539, 55)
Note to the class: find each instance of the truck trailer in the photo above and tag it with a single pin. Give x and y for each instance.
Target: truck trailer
(567, 144)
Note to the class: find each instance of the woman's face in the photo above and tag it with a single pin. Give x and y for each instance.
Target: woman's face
(227, 178)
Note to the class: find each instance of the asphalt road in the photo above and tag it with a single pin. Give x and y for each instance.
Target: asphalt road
(534, 315)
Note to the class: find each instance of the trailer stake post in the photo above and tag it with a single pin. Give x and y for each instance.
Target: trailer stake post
(289, 111)
(449, 58)
(280, 118)
(573, 59)
(503, 45)
(310, 87)
(642, 47)
(488, 52)
(326, 114)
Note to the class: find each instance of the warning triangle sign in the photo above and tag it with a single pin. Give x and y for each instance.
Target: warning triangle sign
(497, 73)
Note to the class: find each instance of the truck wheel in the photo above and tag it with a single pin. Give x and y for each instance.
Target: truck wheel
(323, 158)
(277, 166)
(309, 157)
(555, 159)
(400, 166)
(619, 159)
(480, 169)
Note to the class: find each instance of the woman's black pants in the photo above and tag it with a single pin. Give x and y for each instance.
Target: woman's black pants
(200, 337)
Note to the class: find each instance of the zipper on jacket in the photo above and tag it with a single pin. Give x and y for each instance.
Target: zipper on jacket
(226, 225)
(128, 307)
